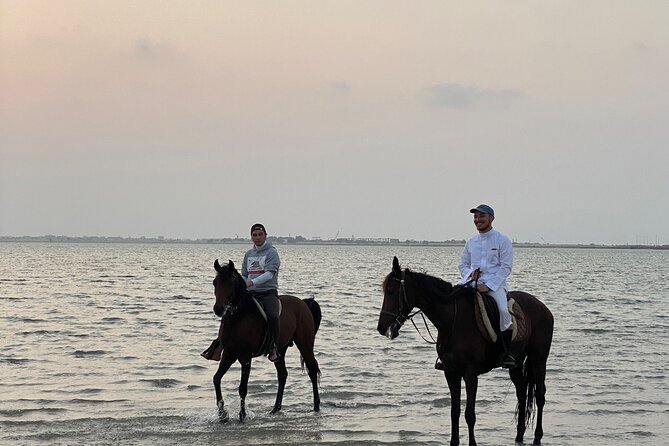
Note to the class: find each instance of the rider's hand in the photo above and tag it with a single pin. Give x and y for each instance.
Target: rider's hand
(249, 283)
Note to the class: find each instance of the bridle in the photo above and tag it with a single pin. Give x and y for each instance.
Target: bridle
(230, 308)
(401, 318)
(403, 302)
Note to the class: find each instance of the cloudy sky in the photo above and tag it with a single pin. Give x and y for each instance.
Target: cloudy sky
(364, 118)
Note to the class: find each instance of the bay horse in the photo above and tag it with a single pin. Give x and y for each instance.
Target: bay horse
(465, 352)
(243, 331)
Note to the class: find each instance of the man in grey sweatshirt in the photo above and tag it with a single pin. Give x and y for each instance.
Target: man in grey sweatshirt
(260, 270)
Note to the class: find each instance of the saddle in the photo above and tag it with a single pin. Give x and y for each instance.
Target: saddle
(486, 311)
(214, 351)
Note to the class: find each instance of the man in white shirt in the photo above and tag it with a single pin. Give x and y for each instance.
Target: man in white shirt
(486, 262)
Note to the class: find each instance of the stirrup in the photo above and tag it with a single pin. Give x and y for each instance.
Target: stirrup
(508, 362)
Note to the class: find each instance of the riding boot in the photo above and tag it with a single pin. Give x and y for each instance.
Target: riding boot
(274, 333)
(209, 352)
(508, 361)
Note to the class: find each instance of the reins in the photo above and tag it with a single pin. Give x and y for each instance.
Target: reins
(426, 327)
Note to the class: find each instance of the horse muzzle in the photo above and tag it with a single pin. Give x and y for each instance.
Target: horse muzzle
(392, 331)
(218, 310)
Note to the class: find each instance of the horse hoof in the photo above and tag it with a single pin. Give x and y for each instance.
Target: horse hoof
(242, 417)
(223, 416)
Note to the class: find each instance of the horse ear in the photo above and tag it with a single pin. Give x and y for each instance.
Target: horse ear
(231, 265)
(217, 266)
(396, 267)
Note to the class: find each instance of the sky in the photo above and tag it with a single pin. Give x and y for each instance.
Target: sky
(196, 119)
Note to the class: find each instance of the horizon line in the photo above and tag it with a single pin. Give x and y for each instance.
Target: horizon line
(296, 240)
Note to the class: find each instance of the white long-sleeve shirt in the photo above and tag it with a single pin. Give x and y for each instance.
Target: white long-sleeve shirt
(492, 252)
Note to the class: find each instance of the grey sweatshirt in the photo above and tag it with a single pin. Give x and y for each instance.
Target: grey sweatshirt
(259, 260)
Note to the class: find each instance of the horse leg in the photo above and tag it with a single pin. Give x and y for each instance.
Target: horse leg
(305, 344)
(471, 384)
(243, 389)
(223, 366)
(455, 386)
(520, 383)
(314, 372)
(540, 398)
(281, 374)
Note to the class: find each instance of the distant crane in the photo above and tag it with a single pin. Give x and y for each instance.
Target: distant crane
(336, 235)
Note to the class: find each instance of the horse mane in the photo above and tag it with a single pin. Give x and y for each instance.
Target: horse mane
(384, 285)
(431, 284)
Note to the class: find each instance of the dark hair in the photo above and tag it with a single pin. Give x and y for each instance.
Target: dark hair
(258, 226)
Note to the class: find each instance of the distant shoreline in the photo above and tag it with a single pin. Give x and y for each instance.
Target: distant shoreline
(303, 241)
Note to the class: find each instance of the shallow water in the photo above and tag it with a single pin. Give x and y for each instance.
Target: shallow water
(101, 343)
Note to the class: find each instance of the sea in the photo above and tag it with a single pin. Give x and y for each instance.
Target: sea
(100, 345)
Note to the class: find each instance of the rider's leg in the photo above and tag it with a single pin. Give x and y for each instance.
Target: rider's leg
(508, 361)
(271, 305)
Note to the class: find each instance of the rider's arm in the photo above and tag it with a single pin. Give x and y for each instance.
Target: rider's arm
(244, 271)
(264, 277)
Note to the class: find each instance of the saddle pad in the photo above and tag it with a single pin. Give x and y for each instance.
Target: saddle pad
(483, 321)
(487, 329)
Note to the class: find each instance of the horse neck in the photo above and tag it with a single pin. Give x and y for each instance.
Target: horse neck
(241, 307)
(438, 310)
(448, 314)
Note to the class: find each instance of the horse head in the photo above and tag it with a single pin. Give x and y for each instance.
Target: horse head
(397, 303)
(229, 287)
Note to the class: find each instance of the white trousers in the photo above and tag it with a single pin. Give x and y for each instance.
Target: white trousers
(500, 299)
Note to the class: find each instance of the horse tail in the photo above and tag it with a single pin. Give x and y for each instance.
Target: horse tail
(315, 309)
(530, 389)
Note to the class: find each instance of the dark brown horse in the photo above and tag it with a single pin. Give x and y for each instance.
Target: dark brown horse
(243, 331)
(465, 352)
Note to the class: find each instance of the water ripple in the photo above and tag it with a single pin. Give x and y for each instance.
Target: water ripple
(111, 354)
